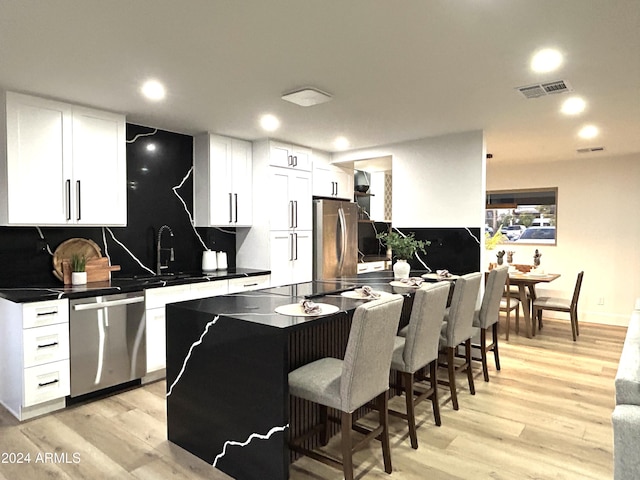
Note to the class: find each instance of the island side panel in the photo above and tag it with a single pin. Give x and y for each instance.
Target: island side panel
(233, 388)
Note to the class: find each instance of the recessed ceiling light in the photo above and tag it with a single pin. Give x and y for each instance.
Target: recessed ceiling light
(307, 97)
(153, 90)
(573, 106)
(341, 143)
(588, 131)
(269, 122)
(546, 60)
(151, 147)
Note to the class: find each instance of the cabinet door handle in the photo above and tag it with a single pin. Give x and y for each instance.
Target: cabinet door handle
(78, 198)
(67, 193)
(295, 161)
(296, 245)
(235, 197)
(48, 383)
(47, 345)
(290, 214)
(230, 208)
(46, 314)
(290, 246)
(295, 205)
(289, 160)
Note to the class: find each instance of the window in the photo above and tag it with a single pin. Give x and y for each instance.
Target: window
(523, 216)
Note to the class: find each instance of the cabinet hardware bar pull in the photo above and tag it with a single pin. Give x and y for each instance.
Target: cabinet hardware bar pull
(295, 205)
(290, 213)
(48, 383)
(47, 345)
(78, 198)
(68, 199)
(230, 208)
(291, 246)
(290, 160)
(336, 189)
(235, 196)
(250, 284)
(296, 244)
(46, 314)
(295, 161)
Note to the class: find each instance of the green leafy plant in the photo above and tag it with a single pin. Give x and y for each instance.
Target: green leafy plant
(78, 263)
(403, 247)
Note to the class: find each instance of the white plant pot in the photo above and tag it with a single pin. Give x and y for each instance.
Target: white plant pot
(78, 278)
(401, 270)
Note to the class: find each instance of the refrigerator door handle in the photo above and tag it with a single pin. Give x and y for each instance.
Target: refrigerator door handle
(342, 238)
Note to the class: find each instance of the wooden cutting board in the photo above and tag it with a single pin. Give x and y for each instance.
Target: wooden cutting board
(98, 270)
(80, 246)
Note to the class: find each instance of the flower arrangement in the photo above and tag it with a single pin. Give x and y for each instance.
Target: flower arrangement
(403, 246)
(492, 242)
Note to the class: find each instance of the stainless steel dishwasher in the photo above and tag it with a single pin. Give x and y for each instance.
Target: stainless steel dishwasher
(107, 340)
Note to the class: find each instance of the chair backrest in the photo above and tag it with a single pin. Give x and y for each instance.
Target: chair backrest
(490, 308)
(367, 360)
(576, 291)
(423, 334)
(463, 307)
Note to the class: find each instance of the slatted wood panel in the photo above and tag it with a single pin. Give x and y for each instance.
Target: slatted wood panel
(546, 415)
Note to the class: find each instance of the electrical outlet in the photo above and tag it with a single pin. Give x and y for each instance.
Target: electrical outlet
(601, 301)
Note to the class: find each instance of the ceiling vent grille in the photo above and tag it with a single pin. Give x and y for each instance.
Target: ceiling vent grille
(590, 150)
(543, 89)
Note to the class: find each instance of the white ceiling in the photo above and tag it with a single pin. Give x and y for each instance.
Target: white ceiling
(397, 70)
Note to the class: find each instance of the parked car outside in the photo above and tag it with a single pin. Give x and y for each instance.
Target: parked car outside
(538, 235)
(513, 232)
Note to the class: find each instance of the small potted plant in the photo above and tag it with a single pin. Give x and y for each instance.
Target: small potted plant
(78, 273)
(403, 247)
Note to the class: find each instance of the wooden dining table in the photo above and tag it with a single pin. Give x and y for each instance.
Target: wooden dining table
(528, 281)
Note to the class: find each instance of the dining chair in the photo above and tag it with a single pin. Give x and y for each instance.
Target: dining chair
(488, 315)
(419, 349)
(346, 385)
(559, 304)
(508, 303)
(457, 329)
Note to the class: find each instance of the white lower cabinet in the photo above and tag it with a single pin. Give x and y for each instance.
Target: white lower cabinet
(291, 257)
(34, 357)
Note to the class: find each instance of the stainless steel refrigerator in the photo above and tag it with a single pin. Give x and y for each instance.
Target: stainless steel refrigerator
(335, 239)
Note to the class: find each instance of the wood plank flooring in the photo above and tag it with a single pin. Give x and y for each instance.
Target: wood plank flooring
(546, 415)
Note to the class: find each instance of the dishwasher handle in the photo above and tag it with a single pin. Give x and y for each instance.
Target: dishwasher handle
(112, 303)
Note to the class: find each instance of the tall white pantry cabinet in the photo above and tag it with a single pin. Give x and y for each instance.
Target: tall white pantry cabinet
(280, 239)
(61, 163)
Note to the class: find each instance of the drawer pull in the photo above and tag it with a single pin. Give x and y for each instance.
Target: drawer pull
(48, 383)
(45, 314)
(250, 284)
(47, 345)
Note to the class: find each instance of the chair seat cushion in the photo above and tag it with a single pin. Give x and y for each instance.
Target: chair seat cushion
(552, 302)
(318, 382)
(512, 303)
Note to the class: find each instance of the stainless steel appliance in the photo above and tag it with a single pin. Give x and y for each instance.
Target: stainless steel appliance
(107, 341)
(335, 239)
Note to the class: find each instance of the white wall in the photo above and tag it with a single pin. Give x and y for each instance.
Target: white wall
(437, 181)
(598, 229)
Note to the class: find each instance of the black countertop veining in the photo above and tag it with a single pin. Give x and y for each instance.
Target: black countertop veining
(120, 283)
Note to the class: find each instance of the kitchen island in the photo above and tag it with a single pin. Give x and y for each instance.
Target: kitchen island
(227, 363)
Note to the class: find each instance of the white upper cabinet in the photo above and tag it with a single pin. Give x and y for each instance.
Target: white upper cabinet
(290, 156)
(331, 180)
(290, 199)
(63, 164)
(222, 181)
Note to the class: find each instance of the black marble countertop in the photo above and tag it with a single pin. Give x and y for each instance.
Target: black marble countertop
(260, 306)
(120, 283)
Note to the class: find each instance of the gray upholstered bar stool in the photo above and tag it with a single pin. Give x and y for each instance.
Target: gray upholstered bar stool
(348, 384)
(457, 329)
(488, 315)
(418, 348)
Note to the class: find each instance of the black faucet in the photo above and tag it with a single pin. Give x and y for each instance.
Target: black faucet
(159, 249)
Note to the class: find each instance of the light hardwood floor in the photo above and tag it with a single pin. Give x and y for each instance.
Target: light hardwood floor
(546, 415)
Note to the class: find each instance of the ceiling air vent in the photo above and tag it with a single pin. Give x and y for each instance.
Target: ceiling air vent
(590, 149)
(542, 89)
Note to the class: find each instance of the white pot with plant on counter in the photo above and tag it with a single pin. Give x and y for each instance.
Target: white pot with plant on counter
(78, 273)
(403, 247)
